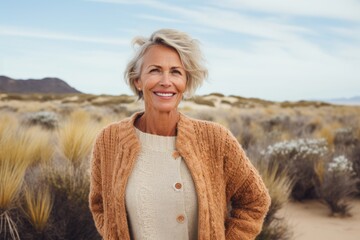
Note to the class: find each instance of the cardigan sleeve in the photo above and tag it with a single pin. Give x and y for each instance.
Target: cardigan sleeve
(95, 196)
(245, 191)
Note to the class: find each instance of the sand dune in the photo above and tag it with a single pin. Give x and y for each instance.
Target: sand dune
(311, 221)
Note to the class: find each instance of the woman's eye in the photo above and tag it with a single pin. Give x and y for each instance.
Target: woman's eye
(176, 72)
(154, 70)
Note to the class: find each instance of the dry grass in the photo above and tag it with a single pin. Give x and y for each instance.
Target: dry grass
(7, 121)
(279, 186)
(38, 206)
(76, 137)
(15, 157)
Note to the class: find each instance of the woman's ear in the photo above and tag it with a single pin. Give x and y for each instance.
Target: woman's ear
(138, 84)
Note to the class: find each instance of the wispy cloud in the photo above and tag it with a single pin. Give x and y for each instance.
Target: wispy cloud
(44, 34)
(227, 20)
(344, 9)
(160, 19)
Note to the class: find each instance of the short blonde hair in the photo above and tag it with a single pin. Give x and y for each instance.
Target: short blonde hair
(187, 48)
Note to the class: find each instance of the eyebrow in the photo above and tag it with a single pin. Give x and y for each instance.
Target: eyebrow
(158, 66)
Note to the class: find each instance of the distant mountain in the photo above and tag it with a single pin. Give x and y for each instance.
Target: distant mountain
(45, 85)
(352, 100)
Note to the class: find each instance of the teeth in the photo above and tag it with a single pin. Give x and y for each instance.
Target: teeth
(164, 94)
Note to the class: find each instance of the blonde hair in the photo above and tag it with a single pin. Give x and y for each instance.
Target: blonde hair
(187, 48)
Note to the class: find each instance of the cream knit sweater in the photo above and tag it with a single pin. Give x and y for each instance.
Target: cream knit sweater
(219, 167)
(160, 195)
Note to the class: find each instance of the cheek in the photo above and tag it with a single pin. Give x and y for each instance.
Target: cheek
(149, 82)
(181, 86)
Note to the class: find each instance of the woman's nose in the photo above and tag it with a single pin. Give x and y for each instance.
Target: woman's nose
(165, 80)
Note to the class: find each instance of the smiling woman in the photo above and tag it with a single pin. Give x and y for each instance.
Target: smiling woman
(162, 175)
(162, 82)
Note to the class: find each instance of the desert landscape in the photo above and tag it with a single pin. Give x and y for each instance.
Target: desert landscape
(307, 152)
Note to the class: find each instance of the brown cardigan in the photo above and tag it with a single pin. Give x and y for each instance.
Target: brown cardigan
(220, 169)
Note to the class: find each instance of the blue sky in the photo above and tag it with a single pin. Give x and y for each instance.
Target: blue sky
(276, 50)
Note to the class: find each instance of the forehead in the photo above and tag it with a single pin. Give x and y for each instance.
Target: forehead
(161, 55)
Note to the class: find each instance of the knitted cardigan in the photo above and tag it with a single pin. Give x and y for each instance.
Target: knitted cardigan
(222, 174)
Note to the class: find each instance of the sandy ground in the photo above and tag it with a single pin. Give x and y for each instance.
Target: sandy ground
(311, 221)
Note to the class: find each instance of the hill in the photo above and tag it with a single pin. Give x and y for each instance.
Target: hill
(45, 85)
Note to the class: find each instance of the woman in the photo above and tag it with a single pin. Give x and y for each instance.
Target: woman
(162, 175)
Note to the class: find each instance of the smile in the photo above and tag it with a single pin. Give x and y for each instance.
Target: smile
(162, 94)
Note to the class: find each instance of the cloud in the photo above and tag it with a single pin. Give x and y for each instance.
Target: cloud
(344, 9)
(160, 19)
(44, 34)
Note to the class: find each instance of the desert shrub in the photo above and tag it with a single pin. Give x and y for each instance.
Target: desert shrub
(226, 102)
(47, 120)
(76, 137)
(288, 104)
(246, 130)
(112, 100)
(276, 122)
(216, 94)
(69, 180)
(202, 101)
(70, 188)
(355, 158)
(299, 157)
(279, 187)
(345, 139)
(347, 142)
(336, 183)
(37, 207)
(16, 154)
(43, 144)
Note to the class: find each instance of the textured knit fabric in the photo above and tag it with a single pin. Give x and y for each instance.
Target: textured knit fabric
(219, 167)
(159, 190)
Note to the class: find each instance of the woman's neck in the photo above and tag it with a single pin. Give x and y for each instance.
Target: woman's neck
(158, 123)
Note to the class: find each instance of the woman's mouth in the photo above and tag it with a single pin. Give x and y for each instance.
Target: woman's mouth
(164, 94)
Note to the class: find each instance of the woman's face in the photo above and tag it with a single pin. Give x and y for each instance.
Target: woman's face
(162, 79)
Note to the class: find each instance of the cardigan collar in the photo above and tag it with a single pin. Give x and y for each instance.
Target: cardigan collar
(187, 146)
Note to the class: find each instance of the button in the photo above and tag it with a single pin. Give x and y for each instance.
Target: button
(176, 155)
(180, 218)
(177, 186)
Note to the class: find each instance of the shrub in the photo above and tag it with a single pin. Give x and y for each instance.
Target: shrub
(279, 186)
(16, 154)
(47, 120)
(355, 158)
(37, 208)
(336, 183)
(299, 157)
(344, 139)
(202, 101)
(70, 188)
(76, 137)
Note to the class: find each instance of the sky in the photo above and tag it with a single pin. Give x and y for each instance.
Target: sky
(274, 50)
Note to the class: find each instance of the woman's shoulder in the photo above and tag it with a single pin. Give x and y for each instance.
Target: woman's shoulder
(208, 128)
(117, 129)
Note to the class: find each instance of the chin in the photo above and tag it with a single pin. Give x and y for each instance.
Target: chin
(166, 108)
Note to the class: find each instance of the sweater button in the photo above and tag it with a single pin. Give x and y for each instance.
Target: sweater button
(178, 186)
(176, 155)
(180, 218)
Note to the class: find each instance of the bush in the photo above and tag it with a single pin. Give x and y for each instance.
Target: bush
(202, 101)
(69, 184)
(47, 120)
(355, 158)
(336, 183)
(279, 186)
(299, 158)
